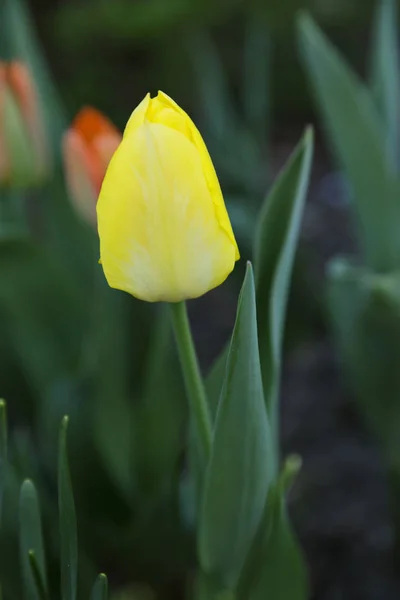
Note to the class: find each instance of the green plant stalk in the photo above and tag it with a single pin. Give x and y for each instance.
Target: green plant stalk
(192, 377)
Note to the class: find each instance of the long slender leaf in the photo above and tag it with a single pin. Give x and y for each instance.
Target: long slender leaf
(276, 566)
(37, 576)
(365, 317)
(31, 538)
(385, 76)
(274, 251)
(239, 471)
(100, 588)
(3, 451)
(356, 135)
(68, 535)
(214, 381)
(11, 575)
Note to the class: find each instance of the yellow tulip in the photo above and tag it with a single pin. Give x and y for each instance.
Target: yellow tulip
(165, 234)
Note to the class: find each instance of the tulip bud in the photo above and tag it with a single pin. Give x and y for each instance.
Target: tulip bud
(165, 234)
(24, 157)
(88, 146)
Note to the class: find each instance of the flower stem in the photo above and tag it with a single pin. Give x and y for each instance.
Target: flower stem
(192, 377)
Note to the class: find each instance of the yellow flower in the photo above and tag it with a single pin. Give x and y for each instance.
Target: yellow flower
(165, 234)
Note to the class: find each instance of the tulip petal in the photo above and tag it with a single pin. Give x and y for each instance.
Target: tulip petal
(160, 238)
(208, 167)
(138, 116)
(91, 123)
(81, 172)
(88, 147)
(160, 112)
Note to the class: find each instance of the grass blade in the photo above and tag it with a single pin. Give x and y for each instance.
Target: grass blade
(100, 588)
(68, 534)
(240, 468)
(37, 576)
(354, 130)
(274, 251)
(385, 76)
(31, 538)
(3, 450)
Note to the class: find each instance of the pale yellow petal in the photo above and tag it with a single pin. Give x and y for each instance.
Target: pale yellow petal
(164, 103)
(138, 116)
(159, 235)
(161, 112)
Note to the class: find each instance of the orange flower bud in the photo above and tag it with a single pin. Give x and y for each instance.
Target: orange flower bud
(24, 156)
(4, 162)
(88, 146)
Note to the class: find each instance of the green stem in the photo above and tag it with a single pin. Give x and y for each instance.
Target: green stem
(192, 376)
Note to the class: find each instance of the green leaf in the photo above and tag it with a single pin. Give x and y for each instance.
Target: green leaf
(355, 132)
(37, 576)
(276, 567)
(290, 470)
(365, 315)
(385, 76)
(274, 251)
(214, 381)
(239, 471)
(11, 575)
(3, 452)
(68, 535)
(100, 588)
(31, 538)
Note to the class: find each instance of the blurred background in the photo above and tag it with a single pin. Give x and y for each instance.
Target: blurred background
(234, 67)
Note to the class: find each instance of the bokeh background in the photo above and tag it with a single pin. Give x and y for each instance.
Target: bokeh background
(218, 59)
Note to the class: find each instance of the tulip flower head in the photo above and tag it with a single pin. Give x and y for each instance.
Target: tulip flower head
(88, 146)
(24, 156)
(165, 234)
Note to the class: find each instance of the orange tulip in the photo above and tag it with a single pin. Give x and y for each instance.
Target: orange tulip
(24, 156)
(88, 146)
